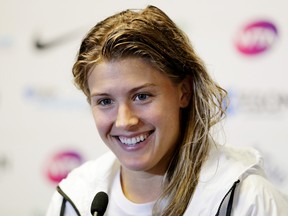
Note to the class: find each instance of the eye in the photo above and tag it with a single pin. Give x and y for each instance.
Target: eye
(142, 97)
(104, 102)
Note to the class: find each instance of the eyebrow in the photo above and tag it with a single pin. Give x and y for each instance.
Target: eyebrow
(131, 91)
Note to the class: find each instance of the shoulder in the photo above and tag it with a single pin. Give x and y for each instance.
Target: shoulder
(226, 164)
(256, 195)
(243, 157)
(91, 176)
(94, 169)
(81, 185)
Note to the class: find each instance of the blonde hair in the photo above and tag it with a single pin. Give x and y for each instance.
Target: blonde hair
(152, 35)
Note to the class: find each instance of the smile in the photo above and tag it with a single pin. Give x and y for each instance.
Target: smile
(133, 140)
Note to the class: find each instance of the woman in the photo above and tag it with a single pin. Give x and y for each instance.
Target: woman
(154, 104)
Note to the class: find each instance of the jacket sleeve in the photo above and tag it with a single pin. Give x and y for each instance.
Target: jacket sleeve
(55, 205)
(256, 196)
(54, 208)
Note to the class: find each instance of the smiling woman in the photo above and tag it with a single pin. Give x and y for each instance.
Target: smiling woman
(135, 95)
(153, 104)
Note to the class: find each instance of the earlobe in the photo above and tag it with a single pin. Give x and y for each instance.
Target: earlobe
(185, 92)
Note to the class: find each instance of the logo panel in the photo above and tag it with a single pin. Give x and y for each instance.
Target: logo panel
(256, 37)
(257, 102)
(61, 164)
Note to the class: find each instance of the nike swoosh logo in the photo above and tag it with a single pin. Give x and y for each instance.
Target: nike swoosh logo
(45, 44)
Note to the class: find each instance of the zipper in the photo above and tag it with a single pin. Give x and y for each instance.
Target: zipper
(228, 209)
(66, 199)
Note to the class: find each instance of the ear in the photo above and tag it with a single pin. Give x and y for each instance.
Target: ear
(185, 92)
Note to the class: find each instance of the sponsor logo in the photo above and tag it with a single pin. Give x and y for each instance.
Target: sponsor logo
(54, 98)
(256, 37)
(257, 102)
(61, 164)
(42, 44)
(5, 41)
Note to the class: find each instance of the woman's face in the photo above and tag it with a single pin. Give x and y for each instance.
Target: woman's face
(136, 109)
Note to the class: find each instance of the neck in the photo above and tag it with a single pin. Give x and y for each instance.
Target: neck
(141, 187)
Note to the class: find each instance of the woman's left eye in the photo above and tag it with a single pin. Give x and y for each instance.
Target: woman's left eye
(142, 96)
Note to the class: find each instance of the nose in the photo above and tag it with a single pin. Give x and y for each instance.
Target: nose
(125, 117)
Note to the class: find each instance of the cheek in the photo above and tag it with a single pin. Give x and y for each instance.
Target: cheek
(102, 122)
(169, 111)
(164, 119)
(169, 120)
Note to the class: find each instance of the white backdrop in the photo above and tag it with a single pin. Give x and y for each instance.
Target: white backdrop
(46, 128)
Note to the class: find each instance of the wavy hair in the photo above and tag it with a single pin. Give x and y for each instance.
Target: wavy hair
(152, 35)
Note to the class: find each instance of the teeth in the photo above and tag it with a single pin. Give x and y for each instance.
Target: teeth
(133, 140)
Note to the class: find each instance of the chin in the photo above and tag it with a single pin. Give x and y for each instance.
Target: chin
(135, 165)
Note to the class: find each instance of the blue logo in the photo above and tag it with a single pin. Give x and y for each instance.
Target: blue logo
(257, 102)
(53, 98)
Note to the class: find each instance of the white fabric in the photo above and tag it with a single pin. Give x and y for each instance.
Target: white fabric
(119, 205)
(254, 196)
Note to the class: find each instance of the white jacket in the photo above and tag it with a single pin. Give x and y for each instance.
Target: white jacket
(254, 195)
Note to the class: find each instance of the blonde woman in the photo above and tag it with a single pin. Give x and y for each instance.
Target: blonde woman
(154, 104)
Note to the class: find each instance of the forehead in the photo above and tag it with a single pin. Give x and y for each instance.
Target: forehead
(124, 72)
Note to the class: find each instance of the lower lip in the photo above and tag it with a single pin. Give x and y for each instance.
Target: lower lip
(136, 147)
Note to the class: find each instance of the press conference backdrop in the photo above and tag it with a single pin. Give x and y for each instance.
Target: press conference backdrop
(46, 127)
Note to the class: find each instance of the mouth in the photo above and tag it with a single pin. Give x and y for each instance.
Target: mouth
(132, 141)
